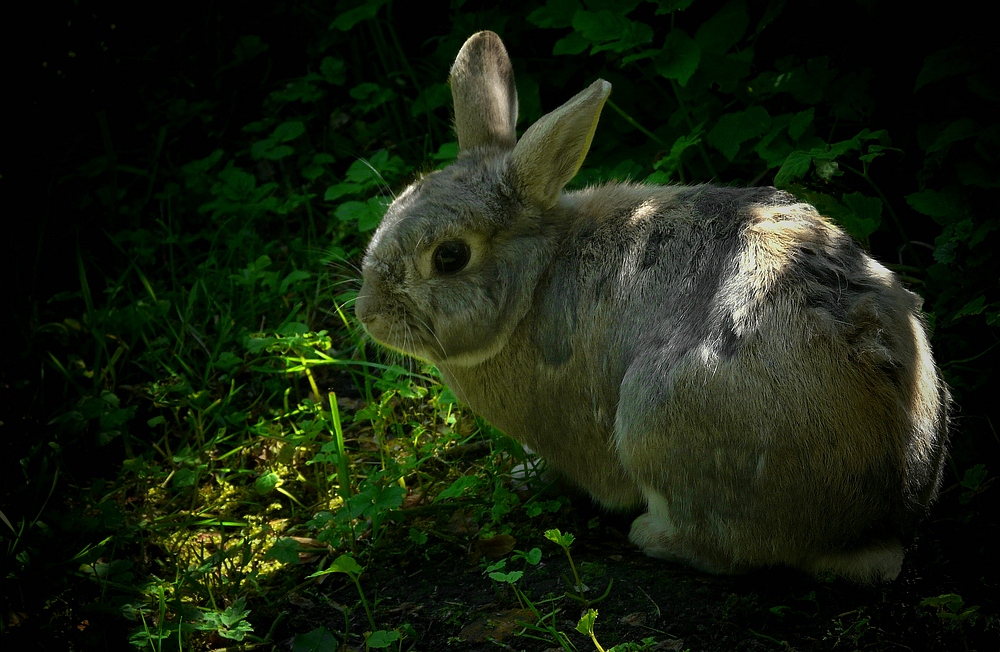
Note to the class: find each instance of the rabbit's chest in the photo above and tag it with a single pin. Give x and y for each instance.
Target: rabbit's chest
(565, 413)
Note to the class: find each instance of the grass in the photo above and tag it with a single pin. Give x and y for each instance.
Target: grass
(210, 454)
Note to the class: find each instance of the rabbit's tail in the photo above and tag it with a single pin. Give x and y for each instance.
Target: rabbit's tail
(880, 562)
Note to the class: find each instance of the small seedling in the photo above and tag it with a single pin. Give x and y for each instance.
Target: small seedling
(586, 626)
(543, 624)
(950, 608)
(347, 565)
(564, 541)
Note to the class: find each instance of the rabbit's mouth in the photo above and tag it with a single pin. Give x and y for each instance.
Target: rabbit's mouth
(397, 334)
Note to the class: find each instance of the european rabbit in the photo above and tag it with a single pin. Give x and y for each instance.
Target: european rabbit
(727, 358)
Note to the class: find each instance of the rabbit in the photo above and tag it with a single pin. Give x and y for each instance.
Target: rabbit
(726, 359)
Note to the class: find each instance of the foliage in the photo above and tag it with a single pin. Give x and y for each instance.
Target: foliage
(203, 421)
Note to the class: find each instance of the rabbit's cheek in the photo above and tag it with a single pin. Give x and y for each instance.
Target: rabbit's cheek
(467, 343)
(365, 306)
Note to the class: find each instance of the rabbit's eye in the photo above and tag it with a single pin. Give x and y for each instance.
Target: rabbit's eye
(451, 256)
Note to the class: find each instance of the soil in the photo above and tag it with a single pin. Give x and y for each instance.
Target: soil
(443, 595)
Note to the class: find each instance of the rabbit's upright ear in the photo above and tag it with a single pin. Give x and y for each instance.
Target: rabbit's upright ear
(551, 152)
(482, 87)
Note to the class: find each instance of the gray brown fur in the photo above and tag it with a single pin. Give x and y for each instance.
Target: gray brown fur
(726, 358)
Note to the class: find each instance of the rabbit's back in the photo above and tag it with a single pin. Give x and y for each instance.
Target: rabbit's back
(733, 351)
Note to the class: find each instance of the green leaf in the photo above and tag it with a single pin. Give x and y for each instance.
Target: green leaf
(973, 307)
(293, 277)
(555, 14)
(333, 70)
(318, 640)
(370, 96)
(380, 167)
(430, 98)
(666, 168)
(313, 171)
(95, 166)
(302, 89)
(670, 6)
(951, 601)
(289, 130)
(259, 148)
(586, 624)
(417, 537)
(795, 167)
(345, 564)
(609, 30)
(941, 65)
(679, 58)
(277, 153)
(249, 46)
(772, 11)
(974, 477)
(574, 43)
(508, 578)
(733, 129)
(338, 190)
(724, 29)
(367, 214)
(284, 550)
(227, 360)
(864, 217)
(235, 613)
(239, 184)
(556, 536)
(497, 566)
(349, 19)
(533, 556)
(944, 207)
(621, 6)
(351, 210)
(201, 166)
(982, 231)
(800, 122)
(959, 130)
(945, 249)
(291, 328)
(446, 154)
(382, 639)
(386, 498)
(267, 483)
(458, 487)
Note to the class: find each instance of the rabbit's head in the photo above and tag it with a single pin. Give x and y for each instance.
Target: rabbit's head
(452, 268)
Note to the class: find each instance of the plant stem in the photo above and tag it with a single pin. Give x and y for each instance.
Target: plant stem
(343, 471)
(629, 119)
(357, 583)
(576, 576)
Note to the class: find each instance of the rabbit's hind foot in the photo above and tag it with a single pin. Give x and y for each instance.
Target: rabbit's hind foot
(879, 562)
(658, 537)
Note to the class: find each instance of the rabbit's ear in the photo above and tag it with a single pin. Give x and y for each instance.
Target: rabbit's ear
(482, 87)
(551, 152)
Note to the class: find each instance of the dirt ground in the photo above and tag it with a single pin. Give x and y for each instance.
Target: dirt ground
(444, 595)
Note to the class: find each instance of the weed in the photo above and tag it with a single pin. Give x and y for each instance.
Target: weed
(195, 420)
(952, 610)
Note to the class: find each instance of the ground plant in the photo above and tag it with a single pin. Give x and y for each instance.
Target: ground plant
(203, 450)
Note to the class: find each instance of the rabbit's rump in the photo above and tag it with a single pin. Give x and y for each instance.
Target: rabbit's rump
(797, 432)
